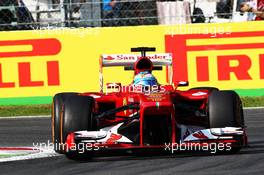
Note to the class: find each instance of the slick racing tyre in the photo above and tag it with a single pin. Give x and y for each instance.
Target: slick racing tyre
(57, 105)
(225, 110)
(78, 116)
(75, 114)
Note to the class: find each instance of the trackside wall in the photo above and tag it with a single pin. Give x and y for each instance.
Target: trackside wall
(34, 65)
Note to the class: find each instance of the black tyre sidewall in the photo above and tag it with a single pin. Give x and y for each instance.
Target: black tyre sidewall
(224, 110)
(78, 115)
(57, 105)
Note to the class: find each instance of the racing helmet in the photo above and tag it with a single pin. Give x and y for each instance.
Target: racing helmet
(145, 78)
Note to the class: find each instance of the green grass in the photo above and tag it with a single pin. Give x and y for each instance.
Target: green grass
(25, 110)
(253, 101)
(33, 110)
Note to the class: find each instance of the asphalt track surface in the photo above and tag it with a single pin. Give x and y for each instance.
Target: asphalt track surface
(23, 132)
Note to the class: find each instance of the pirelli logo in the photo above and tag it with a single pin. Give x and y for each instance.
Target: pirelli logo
(22, 49)
(240, 54)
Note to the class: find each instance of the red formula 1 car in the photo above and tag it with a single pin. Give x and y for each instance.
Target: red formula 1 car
(146, 117)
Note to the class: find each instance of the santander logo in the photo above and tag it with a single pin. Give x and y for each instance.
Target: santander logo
(109, 58)
(130, 57)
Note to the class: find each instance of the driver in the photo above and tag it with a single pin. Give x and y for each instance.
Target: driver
(145, 78)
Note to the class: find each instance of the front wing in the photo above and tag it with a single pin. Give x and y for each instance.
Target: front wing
(223, 139)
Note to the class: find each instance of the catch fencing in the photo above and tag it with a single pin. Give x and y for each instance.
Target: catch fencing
(30, 14)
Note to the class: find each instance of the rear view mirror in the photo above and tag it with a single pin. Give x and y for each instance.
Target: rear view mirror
(183, 83)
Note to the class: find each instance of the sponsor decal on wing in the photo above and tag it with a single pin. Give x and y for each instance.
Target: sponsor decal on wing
(200, 135)
(204, 134)
(109, 58)
(91, 134)
(105, 135)
(113, 138)
(227, 130)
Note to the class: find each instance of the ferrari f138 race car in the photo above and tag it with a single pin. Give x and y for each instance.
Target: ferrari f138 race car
(146, 115)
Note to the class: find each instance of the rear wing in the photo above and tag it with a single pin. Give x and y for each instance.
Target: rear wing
(128, 60)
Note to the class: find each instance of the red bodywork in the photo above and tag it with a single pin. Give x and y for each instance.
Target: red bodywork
(160, 114)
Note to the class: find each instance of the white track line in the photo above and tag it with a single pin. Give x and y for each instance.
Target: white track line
(42, 154)
(252, 108)
(18, 117)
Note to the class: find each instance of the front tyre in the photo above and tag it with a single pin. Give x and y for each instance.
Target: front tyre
(76, 114)
(57, 108)
(225, 110)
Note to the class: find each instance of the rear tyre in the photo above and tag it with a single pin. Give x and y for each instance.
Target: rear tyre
(225, 110)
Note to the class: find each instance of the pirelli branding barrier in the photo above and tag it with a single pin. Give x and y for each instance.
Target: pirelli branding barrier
(34, 65)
